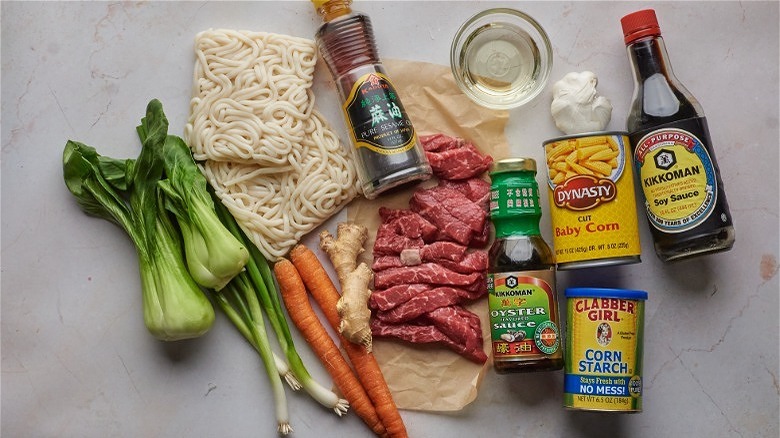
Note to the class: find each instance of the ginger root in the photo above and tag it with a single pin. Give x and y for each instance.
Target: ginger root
(352, 307)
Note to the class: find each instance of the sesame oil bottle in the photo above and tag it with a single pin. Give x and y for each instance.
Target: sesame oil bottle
(387, 149)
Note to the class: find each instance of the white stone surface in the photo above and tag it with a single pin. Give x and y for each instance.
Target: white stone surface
(77, 360)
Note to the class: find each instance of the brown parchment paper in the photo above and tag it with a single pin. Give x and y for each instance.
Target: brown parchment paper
(432, 377)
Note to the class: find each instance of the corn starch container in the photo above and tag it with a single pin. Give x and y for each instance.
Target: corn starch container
(603, 358)
(592, 202)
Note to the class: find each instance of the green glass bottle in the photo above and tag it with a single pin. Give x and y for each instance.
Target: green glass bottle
(522, 299)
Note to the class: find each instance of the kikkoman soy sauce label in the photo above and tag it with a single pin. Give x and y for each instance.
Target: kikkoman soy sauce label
(520, 305)
(376, 116)
(603, 360)
(592, 202)
(677, 178)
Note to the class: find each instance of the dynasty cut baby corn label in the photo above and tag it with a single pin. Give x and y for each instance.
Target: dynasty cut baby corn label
(592, 203)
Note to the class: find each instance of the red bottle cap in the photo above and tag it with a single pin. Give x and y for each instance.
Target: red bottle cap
(640, 24)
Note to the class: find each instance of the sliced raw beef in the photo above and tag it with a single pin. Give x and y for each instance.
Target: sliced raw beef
(449, 226)
(427, 301)
(386, 262)
(437, 252)
(440, 142)
(477, 190)
(430, 273)
(442, 251)
(393, 296)
(424, 334)
(460, 207)
(475, 261)
(460, 325)
(408, 223)
(479, 240)
(388, 242)
(426, 263)
(458, 163)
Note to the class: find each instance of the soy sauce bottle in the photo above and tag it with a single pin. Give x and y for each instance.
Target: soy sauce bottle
(684, 199)
(387, 149)
(522, 296)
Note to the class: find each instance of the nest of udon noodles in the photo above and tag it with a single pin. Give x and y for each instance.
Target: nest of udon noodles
(271, 158)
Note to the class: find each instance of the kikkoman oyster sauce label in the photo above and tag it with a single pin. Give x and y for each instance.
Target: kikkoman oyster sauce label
(677, 178)
(377, 118)
(521, 305)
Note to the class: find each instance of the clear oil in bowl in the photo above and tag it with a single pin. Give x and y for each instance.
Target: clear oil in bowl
(501, 58)
(501, 61)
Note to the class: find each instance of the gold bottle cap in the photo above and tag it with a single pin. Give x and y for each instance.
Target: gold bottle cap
(513, 165)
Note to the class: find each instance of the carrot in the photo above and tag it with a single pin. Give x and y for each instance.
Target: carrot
(325, 293)
(302, 315)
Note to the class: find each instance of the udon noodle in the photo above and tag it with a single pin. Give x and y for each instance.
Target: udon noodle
(271, 158)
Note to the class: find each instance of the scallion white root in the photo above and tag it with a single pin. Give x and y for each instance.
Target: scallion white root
(265, 300)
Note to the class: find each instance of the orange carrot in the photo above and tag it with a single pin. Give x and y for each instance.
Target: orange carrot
(325, 293)
(302, 315)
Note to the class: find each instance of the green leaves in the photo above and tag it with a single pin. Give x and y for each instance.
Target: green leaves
(127, 192)
(93, 192)
(214, 255)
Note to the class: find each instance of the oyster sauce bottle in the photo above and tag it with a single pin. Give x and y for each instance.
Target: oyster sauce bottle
(522, 298)
(676, 166)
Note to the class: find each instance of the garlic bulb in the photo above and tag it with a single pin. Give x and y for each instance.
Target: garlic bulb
(577, 107)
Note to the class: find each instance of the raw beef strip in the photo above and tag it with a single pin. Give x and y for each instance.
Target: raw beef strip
(408, 223)
(431, 273)
(451, 211)
(388, 242)
(477, 190)
(424, 334)
(425, 302)
(482, 238)
(460, 325)
(438, 252)
(459, 163)
(386, 262)
(393, 296)
(460, 207)
(440, 142)
(450, 227)
(475, 261)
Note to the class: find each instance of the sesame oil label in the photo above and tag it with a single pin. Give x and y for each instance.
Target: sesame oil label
(520, 306)
(377, 118)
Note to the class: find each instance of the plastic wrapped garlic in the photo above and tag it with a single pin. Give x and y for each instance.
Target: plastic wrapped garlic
(577, 107)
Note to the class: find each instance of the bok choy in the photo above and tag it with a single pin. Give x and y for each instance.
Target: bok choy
(136, 195)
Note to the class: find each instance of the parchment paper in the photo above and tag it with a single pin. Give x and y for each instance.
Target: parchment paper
(432, 377)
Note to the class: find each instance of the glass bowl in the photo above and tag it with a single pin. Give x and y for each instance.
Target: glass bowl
(501, 58)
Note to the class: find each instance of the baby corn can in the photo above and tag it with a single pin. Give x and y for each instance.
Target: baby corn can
(603, 360)
(592, 202)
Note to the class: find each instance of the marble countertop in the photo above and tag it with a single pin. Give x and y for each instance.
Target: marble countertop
(77, 360)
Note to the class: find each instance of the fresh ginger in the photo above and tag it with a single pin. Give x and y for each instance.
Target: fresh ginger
(354, 278)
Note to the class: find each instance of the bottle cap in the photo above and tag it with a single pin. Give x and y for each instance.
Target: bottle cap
(514, 165)
(640, 24)
(318, 3)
